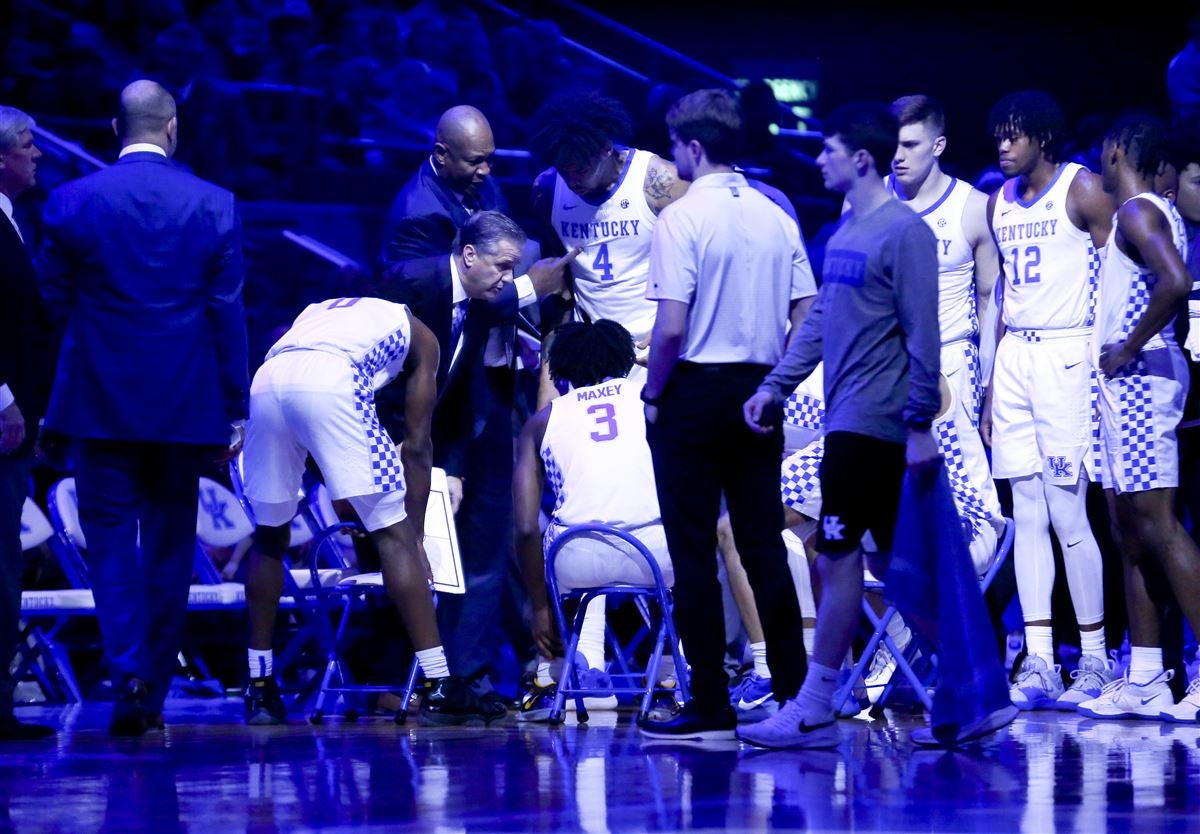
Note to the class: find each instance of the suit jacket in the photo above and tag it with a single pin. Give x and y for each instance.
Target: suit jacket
(27, 345)
(142, 262)
(426, 215)
(424, 285)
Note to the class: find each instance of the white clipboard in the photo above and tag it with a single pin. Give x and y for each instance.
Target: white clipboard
(441, 538)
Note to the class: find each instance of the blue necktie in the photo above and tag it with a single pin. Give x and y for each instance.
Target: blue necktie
(456, 323)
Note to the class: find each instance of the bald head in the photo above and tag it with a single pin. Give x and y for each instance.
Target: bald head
(463, 149)
(146, 114)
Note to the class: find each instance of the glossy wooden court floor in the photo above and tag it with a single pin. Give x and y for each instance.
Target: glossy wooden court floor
(207, 772)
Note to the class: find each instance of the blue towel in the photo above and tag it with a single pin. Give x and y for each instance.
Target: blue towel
(932, 578)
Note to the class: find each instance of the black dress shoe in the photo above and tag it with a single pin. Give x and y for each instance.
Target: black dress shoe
(130, 715)
(13, 730)
(693, 721)
(452, 701)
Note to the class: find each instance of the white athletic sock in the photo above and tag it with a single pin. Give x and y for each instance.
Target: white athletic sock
(898, 631)
(544, 676)
(810, 639)
(262, 664)
(433, 662)
(816, 695)
(591, 634)
(1039, 640)
(759, 650)
(1145, 663)
(1091, 643)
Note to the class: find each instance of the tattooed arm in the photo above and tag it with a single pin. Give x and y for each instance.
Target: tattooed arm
(663, 185)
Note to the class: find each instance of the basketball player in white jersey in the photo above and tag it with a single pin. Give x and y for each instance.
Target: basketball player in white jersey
(967, 260)
(315, 395)
(590, 444)
(603, 198)
(1143, 385)
(1050, 220)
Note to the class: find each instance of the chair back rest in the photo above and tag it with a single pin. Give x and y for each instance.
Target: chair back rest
(68, 535)
(35, 527)
(612, 532)
(220, 519)
(1003, 549)
(301, 531)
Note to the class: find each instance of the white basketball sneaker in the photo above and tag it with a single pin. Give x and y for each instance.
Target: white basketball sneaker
(1123, 699)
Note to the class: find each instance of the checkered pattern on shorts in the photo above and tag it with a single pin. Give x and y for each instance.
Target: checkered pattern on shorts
(966, 496)
(801, 475)
(1138, 460)
(974, 372)
(554, 476)
(1097, 467)
(804, 411)
(387, 472)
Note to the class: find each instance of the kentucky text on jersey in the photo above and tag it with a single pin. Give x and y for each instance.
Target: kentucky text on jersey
(599, 229)
(1026, 231)
(598, 393)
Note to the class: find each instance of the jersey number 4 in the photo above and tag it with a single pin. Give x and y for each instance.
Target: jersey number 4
(606, 419)
(602, 264)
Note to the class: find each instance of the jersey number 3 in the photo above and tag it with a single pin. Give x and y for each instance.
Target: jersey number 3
(605, 418)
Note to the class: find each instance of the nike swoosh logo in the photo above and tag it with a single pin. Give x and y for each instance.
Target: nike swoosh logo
(1148, 700)
(757, 702)
(1072, 544)
(570, 208)
(1007, 211)
(1072, 365)
(808, 728)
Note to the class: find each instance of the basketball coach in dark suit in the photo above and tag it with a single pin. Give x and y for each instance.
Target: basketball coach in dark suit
(445, 189)
(461, 297)
(143, 264)
(26, 372)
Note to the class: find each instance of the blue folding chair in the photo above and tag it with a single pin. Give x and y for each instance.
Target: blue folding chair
(665, 632)
(904, 658)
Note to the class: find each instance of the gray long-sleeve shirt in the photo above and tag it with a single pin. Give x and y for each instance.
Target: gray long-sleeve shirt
(875, 324)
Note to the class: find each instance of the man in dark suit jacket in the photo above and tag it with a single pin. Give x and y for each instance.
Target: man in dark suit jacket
(454, 182)
(462, 296)
(143, 263)
(26, 371)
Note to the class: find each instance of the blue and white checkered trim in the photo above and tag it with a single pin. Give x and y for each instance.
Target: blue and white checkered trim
(387, 472)
(1097, 468)
(800, 476)
(804, 411)
(1138, 460)
(555, 478)
(966, 496)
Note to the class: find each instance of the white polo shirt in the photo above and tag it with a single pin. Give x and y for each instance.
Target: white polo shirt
(738, 261)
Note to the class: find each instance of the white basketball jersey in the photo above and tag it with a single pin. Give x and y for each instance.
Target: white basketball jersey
(373, 335)
(1050, 265)
(1125, 286)
(957, 317)
(596, 457)
(610, 272)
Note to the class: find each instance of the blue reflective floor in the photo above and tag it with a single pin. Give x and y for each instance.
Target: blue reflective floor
(1048, 772)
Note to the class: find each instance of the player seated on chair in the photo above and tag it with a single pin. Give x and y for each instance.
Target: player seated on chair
(590, 444)
(970, 479)
(315, 394)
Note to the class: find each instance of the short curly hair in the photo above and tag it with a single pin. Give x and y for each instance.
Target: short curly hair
(572, 128)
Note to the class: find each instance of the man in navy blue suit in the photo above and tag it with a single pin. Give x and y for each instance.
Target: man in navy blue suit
(142, 263)
(26, 371)
(462, 295)
(445, 190)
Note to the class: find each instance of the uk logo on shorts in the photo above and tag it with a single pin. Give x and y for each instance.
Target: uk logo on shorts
(1059, 468)
(833, 528)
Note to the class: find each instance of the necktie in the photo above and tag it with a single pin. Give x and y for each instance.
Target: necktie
(456, 323)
